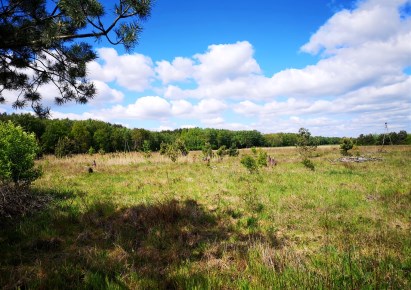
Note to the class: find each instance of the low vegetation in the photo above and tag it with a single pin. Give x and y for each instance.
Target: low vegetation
(157, 224)
(65, 137)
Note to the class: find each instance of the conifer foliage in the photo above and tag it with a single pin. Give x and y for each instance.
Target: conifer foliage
(40, 43)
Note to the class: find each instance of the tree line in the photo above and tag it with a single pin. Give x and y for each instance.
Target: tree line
(64, 136)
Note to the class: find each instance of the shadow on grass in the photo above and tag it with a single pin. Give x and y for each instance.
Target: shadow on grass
(17, 202)
(105, 247)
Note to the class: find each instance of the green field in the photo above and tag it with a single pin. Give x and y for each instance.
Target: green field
(137, 223)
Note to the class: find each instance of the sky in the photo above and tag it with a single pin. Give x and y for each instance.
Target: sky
(335, 67)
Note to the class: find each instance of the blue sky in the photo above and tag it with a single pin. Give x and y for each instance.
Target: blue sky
(338, 68)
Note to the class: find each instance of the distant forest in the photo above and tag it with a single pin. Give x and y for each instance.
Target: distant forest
(98, 136)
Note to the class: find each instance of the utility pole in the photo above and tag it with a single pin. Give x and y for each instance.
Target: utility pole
(386, 134)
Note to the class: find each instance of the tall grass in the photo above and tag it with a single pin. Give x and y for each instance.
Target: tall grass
(142, 223)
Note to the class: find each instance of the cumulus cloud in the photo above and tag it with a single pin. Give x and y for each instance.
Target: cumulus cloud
(367, 46)
(73, 116)
(151, 107)
(210, 106)
(226, 61)
(133, 72)
(216, 122)
(105, 94)
(179, 70)
(157, 108)
(363, 55)
(358, 82)
(375, 20)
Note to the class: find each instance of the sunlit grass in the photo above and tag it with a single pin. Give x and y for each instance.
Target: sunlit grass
(151, 223)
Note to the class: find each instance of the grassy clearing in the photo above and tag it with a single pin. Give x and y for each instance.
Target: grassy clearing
(149, 224)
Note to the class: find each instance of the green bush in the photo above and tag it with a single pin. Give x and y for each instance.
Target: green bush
(91, 150)
(18, 150)
(65, 147)
(233, 151)
(262, 158)
(207, 151)
(309, 164)
(346, 145)
(174, 150)
(250, 163)
(254, 150)
(221, 152)
(146, 149)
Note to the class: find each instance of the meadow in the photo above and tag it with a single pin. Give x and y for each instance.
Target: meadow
(149, 223)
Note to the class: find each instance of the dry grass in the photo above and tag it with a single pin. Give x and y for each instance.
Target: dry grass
(150, 223)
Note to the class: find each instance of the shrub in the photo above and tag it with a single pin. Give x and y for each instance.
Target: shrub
(18, 150)
(250, 163)
(306, 145)
(262, 158)
(163, 148)
(309, 164)
(174, 150)
(221, 152)
(346, 145)
(181, 147)
(254, 150)
(64, 147)
(233, 151)
(207, 151)
(146, 149)
(91, 150)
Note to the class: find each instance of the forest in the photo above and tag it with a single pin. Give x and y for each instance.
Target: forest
(91, 136)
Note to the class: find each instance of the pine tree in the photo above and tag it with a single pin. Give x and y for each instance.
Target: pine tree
(40, 43)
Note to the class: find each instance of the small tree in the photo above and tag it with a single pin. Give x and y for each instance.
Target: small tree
(146, 149)
(181, 146)
(64, 147)
(91, 151)
(163, 148)
(262, 158)
(249, 163)
(18, 150)
(233, 151)
(306, 146)
(346, 145)
(221, 152)
(174, 150)
(207, 151)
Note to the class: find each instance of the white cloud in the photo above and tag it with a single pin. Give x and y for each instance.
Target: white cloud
(157, 108)
(134, 72)
(357, 84)
(181, 108)
(225, 70)
(179, 70)
(74, 116)
(210, 106)
(150, 107)
(226, 61)
(368, 46)
(213, 122)
(105, 94)
(375, 20)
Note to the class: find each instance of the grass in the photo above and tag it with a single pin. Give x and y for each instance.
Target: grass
(154, 224)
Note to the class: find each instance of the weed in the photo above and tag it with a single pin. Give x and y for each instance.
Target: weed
(309, 164)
